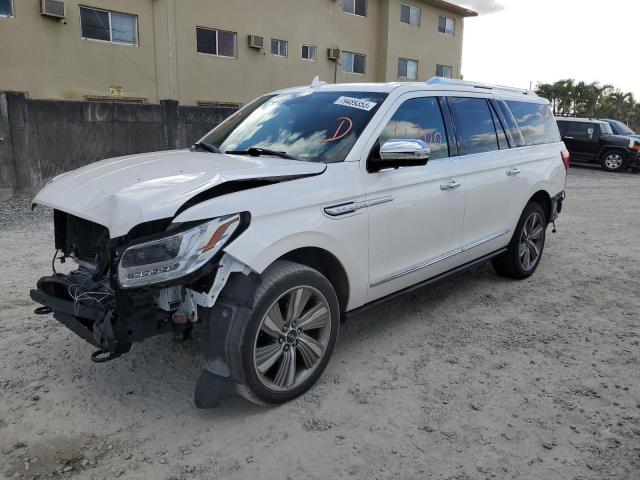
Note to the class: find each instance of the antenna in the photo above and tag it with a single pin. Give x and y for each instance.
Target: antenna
(316, 82)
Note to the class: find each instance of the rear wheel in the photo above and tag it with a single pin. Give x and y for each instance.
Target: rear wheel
(289, 336)
(525, 249)
(614, 161)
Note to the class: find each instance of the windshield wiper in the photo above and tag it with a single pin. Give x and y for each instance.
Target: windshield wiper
(256, 152)
(206, 146)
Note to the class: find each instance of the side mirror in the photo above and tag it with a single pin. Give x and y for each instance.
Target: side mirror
(401, 152)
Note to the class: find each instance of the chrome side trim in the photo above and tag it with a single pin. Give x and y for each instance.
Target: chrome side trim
(416, 268)
(440, 258)
(343, 209)
(477, 243)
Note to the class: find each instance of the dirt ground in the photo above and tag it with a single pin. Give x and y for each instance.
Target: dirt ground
(476, 377)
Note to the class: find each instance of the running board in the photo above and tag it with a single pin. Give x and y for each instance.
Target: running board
(375, 303)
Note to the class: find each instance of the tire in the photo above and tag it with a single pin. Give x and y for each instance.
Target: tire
(513, 263)
(614, 161)
(267, 352)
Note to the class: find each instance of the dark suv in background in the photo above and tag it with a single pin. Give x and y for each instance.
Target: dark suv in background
(593, 141)
(620, 128)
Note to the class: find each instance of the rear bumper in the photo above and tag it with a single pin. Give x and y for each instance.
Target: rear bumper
(556, 206)
(634, 161)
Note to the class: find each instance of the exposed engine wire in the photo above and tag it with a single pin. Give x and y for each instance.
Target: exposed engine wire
(53, 261)
(88, 292)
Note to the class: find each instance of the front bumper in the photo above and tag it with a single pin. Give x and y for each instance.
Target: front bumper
(103, 325)
(80, 319)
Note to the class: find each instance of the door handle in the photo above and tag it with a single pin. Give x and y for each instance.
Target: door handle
(450, 185)
(569, 138)
(512, 172)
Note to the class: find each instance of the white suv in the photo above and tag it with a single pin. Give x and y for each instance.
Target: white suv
(307, 204)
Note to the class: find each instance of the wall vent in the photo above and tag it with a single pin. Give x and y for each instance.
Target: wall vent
(53, 8)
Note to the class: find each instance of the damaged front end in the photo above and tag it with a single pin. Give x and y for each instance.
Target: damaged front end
(149, 282)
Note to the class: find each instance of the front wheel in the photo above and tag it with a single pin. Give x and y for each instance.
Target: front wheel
(289, 336)
(525, 249)
(614, 161)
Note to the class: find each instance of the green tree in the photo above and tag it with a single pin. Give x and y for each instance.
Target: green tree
(570, 98)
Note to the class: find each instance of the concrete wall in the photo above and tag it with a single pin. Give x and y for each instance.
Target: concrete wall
(43, 138)
(48, 58)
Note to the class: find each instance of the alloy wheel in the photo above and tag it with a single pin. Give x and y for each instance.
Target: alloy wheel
(613, 161)
(531, 241)
(292, 338)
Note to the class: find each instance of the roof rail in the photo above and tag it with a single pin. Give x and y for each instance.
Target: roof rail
(450, 82)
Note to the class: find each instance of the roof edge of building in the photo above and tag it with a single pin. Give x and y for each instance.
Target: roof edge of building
(452, 7)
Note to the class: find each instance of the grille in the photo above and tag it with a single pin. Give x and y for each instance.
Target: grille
(79, 237)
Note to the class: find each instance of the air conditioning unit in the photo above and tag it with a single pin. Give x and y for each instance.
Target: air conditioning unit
(256, 41)
(53, 8)
(333, 53)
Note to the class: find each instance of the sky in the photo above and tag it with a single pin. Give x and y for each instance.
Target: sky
(515, 42)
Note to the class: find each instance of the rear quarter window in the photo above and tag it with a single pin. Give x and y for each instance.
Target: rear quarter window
(535, 121)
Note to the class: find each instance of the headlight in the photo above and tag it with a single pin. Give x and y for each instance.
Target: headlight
(176, 255)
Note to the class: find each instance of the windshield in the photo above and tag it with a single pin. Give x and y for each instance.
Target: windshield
(606, 128)
(621, 128)
(311, 126)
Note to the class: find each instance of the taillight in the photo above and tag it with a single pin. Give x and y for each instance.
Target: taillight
(566, 158)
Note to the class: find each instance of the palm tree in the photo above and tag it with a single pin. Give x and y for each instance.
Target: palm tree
(568, 97)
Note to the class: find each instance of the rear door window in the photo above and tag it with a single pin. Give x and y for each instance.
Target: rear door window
(419, 118)
(582, 130)
(475, 125)
(535, 121)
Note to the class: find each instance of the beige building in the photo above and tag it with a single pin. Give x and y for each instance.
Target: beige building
(208, 51)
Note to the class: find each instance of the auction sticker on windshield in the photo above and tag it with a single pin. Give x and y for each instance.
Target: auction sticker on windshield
(355, 103)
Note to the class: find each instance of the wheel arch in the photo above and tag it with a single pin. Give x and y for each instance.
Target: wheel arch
(542, 198)
(610, 148)
(328, 265)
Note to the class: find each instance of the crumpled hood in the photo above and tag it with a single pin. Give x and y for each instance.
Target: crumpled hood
(123, 192)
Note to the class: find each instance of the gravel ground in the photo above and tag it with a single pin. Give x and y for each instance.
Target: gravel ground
(476, 377)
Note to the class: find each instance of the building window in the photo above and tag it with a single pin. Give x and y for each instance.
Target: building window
(446, 25)
(408, 68)
(444, 71)
(279, 47)
(353, 62)
(216, 42)
(410, 15)
(309, 52)
(355, 7)
(6, 8)
(109, 26)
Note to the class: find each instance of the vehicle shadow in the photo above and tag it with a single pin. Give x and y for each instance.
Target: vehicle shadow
(159, 372)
